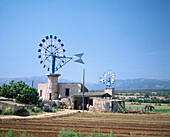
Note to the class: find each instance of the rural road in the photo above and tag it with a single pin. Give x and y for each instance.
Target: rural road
(44, 115)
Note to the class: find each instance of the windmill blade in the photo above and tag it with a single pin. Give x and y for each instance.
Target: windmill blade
(112, 81)
(113, 75)
(105, 75)
(109, 72)
(100, 82)
(100, 78)
(108, 84)
(77, 58)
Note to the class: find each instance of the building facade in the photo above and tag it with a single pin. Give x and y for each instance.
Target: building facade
(52, 90)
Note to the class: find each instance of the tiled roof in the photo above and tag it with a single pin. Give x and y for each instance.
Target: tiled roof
(91, 94)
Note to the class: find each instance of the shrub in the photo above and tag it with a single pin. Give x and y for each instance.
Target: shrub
(31, 112)
(37, 110)
(111, 134)
(66, 133)
(1, 109)
(48, 109)
(22, 112)
(9, 134)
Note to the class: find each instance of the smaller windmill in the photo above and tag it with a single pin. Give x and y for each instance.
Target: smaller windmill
(108, 79)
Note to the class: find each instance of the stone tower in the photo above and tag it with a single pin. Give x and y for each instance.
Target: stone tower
(110, 91)
(52, 86)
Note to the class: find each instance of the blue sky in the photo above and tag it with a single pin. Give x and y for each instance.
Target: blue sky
(130, 37)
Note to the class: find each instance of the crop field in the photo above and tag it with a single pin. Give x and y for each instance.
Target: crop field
(121, 124)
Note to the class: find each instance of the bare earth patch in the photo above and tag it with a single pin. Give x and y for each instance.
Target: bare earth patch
(121, 124)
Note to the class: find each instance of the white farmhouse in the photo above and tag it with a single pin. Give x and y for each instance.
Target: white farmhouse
(52, 90)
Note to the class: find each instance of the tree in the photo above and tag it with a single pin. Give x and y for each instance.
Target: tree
(20, 91)
(146, 95)
(5, 91)
(28, 95)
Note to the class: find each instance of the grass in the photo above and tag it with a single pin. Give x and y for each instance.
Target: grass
(6, 111)
(161, 110)
(117, 120)
(35, 111)
(70, 133)
(63, 133)
(21, 112)
(11, 133)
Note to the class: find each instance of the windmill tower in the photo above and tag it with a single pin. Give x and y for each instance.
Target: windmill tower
(108, 80)
(52, 57)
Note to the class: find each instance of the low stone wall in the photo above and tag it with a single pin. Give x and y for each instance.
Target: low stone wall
(67, 102)
(52, 102)
(10, 105)
(49, 102)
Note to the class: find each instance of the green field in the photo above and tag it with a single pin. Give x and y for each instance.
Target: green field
(164, 109)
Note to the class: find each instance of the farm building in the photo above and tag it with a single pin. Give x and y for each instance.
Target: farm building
(52, 90)
(97, 102)
(71, 95)
(88, 98)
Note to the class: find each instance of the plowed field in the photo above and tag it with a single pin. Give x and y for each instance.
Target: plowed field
(120, 124)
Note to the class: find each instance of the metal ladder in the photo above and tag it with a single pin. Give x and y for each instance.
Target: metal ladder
(121, 108)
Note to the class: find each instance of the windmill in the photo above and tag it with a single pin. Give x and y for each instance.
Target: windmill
(52, 54)
(108, 80)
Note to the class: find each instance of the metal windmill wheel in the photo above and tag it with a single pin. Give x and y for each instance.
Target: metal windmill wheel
(108, 78)
(52, 54)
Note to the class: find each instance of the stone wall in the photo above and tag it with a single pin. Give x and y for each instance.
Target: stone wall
(100, 105)
(10, 105)
(43, 87)
(73, 88)
(110, 91)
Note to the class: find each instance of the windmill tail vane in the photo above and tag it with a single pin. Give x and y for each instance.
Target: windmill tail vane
(77, 58)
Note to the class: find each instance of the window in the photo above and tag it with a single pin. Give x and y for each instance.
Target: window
(67, 92)
(40, 93)
(50, 98)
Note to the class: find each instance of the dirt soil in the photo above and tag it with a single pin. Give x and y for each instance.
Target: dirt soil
(120, 124)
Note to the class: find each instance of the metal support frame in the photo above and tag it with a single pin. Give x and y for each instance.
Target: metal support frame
(53, 64)
(66, 61)
(83, 89)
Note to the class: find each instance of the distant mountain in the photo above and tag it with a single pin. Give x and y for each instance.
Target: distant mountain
(128, 84)
(29, 80)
